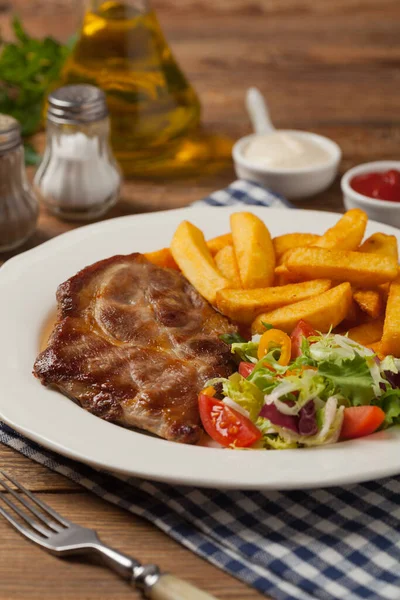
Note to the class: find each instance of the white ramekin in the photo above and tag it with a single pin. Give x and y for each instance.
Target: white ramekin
(378, 210)
(296, 183)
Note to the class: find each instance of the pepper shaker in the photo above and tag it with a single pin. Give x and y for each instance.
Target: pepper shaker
(18, 204)
(78, 178)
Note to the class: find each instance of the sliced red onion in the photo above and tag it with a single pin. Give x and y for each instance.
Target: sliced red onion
(308, 426)
(270, 412)
(308, 410)
(307, 419)
(393, 379)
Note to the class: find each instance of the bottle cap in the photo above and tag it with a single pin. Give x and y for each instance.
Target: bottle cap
(74, 104)
(10, 133)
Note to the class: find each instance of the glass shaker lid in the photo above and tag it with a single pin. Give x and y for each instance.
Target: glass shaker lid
(10, 133)
(76, 104)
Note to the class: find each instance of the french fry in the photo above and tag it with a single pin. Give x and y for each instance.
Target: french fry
(281, 270)
(370, 302)
(280, 260)
(191, 253)
(162, 258)
(353, 317)
(384, 245)
(302, 266)
(243, 306)
(391, 328)
(254, 250)
(287, 241)
(322, 312)
(384, 289)
(225, 260)
(219, 242)
(367, 333)
(377, 348)
(347, 233)
(380, 243)
(283, 276)
(342, 265)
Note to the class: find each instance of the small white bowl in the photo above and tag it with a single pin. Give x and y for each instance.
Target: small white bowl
(301, 182)
(378, 210)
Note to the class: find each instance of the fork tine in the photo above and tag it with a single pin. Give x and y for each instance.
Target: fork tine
(24, 530)
(36, 526)
(40, 516)
(42, 505)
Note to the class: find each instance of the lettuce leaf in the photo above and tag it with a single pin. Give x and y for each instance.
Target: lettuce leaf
(336, 348)
(276, 442)
(390, 363)
(305, 358)
(263, 378)
(390, 404)
(246, 351)
(244, 393)
(273, 440)
(351, 378)
(308, 385)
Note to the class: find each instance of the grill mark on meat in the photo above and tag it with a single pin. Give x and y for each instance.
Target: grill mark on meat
(188, 333)
(134, 344)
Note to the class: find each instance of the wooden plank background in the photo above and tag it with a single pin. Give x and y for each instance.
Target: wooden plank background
(329, 66)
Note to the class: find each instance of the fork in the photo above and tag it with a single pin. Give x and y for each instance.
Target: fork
(62, 537)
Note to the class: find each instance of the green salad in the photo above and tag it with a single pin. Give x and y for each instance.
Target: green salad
(308, 389)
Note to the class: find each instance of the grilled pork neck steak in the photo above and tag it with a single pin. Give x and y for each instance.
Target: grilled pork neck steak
(134, 343)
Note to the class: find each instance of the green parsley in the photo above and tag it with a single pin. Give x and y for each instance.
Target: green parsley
(28, 66)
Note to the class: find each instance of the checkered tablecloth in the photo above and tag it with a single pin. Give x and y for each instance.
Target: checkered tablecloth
(245, 193)
(326, 544)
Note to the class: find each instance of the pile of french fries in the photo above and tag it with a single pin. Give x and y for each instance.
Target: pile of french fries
(331, 281)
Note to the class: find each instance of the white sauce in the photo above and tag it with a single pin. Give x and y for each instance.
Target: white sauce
(285, 151)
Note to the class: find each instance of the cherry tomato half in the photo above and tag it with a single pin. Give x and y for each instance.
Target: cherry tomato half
(245, 368)
(275, 337)
(302, 329)
(359, 421)
(225, 425)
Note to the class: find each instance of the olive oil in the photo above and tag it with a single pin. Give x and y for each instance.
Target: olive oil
(154, 111)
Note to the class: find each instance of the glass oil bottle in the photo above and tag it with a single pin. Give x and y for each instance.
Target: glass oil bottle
(154, 111)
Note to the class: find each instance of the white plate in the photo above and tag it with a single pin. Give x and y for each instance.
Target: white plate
(27, 298)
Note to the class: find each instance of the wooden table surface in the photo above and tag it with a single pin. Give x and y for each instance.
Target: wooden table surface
(330, 66)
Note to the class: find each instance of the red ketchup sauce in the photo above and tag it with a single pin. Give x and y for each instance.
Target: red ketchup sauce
(382, 186)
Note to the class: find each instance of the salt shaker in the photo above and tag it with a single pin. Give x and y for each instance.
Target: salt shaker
(18, 204)
(78, 178)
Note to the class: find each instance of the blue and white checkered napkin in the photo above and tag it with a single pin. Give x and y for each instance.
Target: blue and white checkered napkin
(245, 192)
(337, 543)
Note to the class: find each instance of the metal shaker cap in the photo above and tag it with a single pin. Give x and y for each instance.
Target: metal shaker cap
(10, 133)
(74, 104)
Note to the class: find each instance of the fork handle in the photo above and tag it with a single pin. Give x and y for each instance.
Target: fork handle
(169, 587)
(153, 584)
